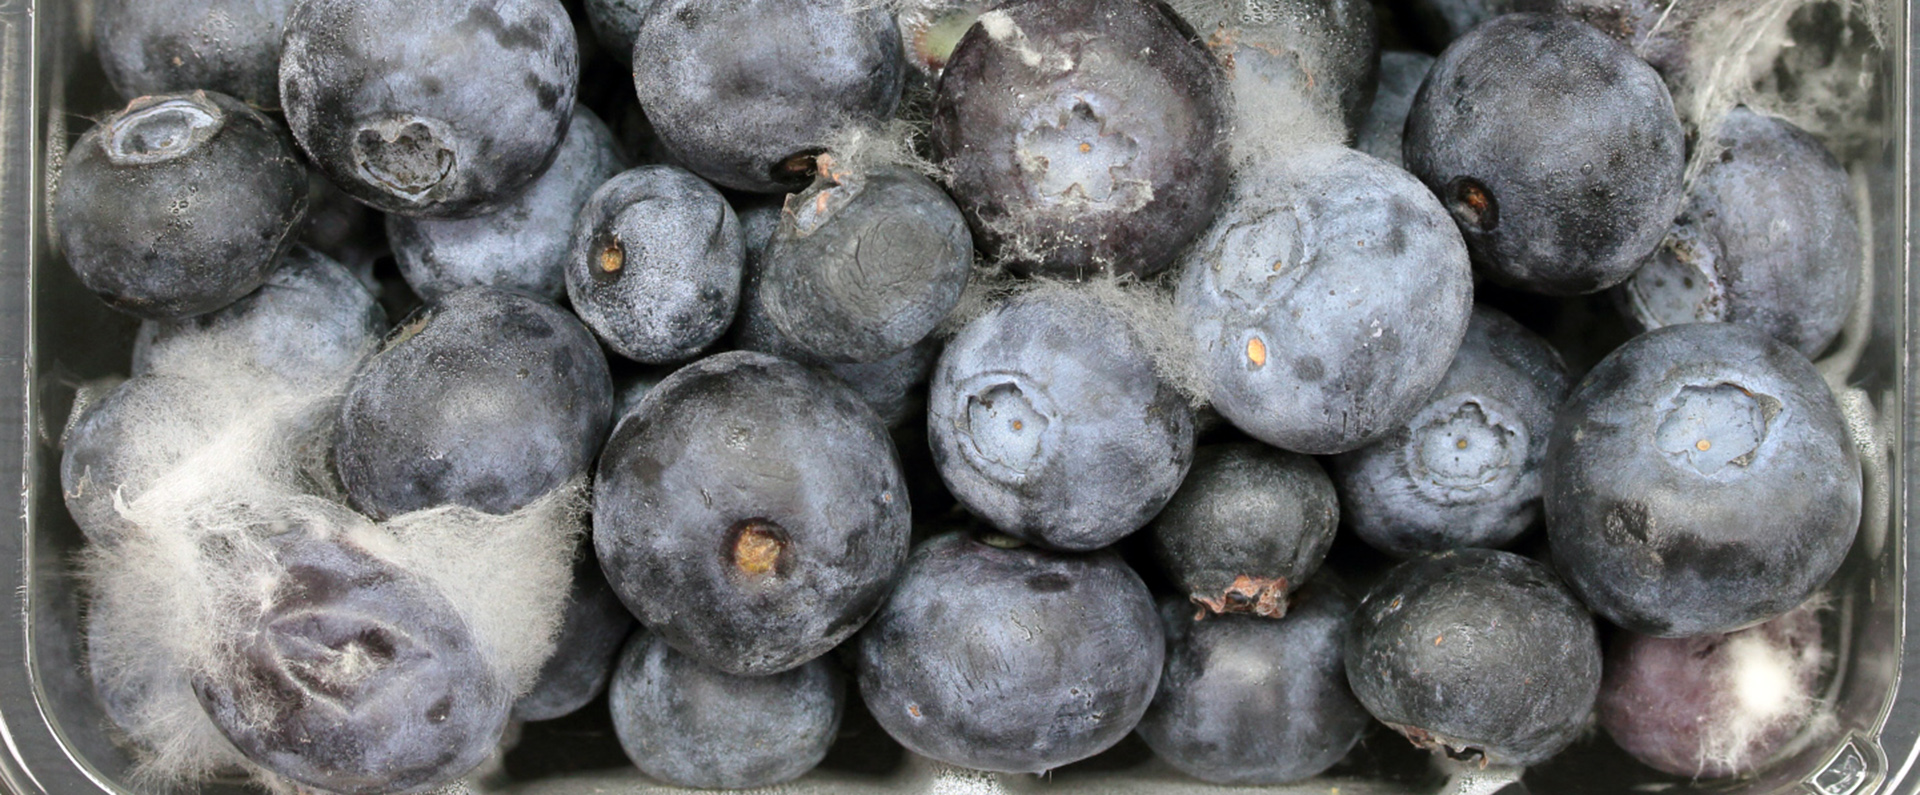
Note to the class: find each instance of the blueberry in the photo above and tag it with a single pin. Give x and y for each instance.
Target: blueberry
(354, 676)
(1346, 276)
(746, 92)
(1250, 700)
(616, 23)
(1323, 54)
(342, 228)
(229, 46)
(179, 205)
(1379, 132)
(310, 324)
(437, 108)
(1700, 479)
(1717, 705)
(1083, 136)
(1769, 237)
(893, 386)
(751, 512)
(592, 630)
(655, 264)
(111, 452)
(523, 245)
(691, 725)
(865, 263)
(1014, 660)
(486, 398)
(1249, 525)
(1476, 654)
(1464, 471)
(1656, 30)
(1048, 420)
(133, 684)
(1556, 150)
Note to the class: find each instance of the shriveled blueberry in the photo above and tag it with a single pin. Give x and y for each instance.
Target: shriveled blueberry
(1319, 56)
(1326, 301)
(655, 264)
(229, 46)
(1717, 705)
(1380, 131)
(746, 92)
(692, 725)
(865, 263)
(1464, 471)
(523, 245)
(486, 398)
(1557, 151)
(354, 676)
(1014, 660)
(1769, 237)
(1700, 479)
(616, 23)
(592, 630)
(1476, 654)
(1251, 700)
(1083, 136)
(179, 205)
(1048, 420)
(311, 323)
(436, 108)
(751, 512)
(1249, 525)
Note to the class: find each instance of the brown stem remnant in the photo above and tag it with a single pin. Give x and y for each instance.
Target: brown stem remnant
(1257, 595)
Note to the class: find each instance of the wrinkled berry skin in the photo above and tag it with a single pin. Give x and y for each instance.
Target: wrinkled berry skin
(1700, 479)
(1252, 700)
(1380, 131)
(1713, 706)
(179, 205)
(1249, 525)
(655, 264)
(593, 628)
(1047, 419)
(524, 245)
(432, 108)
(311, 324)
(229, 46)
(1084, 137)
(865, 264)
(752, 512)
(487, 399)
(355, 677)
(1326, 301)
(1464, 471)
(1564, 203)
(691, 725)
(1769, 237)
(1011, 660)
(1477, 654)
(746, 92)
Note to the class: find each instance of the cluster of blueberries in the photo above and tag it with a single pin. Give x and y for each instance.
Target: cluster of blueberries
(802, 437)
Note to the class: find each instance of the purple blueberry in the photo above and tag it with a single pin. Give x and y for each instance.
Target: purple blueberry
(1014, 660)
(1325, 302)
(1700, 479)
(1464, 471)
(435, 108)
(751, 512)
(1083, 136)
(1555, 148)
(1476, 654)
(179, 205)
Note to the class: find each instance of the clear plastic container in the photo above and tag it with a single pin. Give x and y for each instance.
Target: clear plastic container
(54, 336)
